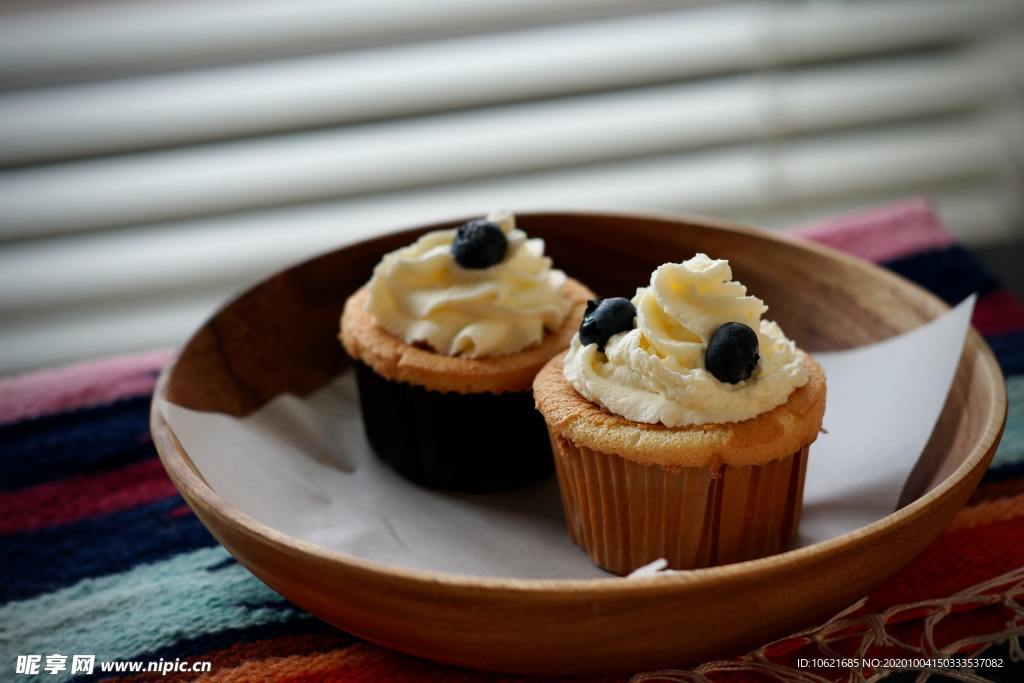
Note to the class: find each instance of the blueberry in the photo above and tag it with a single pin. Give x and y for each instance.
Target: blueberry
(604, 318)
(732, 353)
(479, 244)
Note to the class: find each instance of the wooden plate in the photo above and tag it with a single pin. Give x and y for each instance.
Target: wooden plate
(280, 336)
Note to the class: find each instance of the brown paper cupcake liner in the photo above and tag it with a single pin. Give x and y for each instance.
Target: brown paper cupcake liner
(473, 443)
(626, 514)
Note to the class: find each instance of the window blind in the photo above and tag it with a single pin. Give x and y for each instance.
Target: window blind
(156, 157)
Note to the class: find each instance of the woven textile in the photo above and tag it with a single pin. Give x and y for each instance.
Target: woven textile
(99, 555)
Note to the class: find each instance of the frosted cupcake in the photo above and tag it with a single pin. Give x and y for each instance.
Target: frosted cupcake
(446, 340)
(680, 423)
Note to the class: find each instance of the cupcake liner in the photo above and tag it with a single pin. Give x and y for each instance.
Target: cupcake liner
(626, 514)
(459, 442)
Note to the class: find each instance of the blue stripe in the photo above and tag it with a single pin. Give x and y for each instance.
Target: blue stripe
(1013, 470)
(1011, 448)
(78, 442)
(301, 624)
(1009, 349)
(952, 273)
(145, 609)
(44, 560)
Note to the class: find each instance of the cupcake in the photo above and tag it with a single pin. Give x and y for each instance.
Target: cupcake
(680, 423)
(446, 339)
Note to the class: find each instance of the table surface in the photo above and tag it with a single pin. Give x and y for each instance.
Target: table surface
(100, 556)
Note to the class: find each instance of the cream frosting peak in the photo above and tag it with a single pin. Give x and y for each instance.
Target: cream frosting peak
(420, 294)
(655, 372)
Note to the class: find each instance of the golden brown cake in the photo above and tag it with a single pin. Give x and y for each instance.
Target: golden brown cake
(777, 433)
(399, 361)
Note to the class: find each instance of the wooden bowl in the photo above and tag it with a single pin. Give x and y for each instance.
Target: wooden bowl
(280, 337)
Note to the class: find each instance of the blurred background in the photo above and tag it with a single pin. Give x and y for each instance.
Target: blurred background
(157, 156)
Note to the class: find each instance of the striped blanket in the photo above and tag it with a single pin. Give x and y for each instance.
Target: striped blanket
(99, 555)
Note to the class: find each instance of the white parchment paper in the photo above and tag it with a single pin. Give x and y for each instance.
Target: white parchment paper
(303, 466)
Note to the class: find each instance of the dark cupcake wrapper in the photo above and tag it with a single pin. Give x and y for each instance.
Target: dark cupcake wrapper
(473, 443)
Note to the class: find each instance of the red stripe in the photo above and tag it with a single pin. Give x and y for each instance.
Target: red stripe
(956, 560)
(998, 312)
(76, 498)
(45, 392)
(882, 234)
(181, 511)
(959, 559)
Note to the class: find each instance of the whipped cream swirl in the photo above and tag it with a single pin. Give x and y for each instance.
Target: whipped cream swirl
(655, 372)
(421, 295)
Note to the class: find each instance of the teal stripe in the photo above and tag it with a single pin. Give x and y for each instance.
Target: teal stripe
(141, 610)
(1011, 448)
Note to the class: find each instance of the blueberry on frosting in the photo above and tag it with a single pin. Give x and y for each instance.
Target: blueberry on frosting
(605, 318)
(421, 294)
(660, 372)
(732, 353)
(478, 244)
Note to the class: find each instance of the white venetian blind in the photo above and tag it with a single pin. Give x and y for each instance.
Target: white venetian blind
(156, 156)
